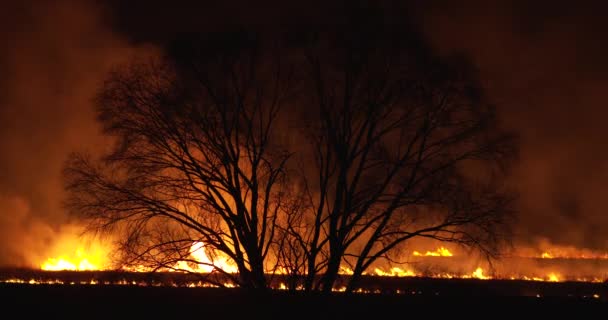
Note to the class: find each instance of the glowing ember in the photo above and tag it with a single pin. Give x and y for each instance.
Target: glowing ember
(440, 252)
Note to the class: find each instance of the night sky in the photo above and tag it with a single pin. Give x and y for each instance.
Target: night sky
(543, 63)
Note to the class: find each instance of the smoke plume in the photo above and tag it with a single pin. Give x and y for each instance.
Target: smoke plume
(55, 56)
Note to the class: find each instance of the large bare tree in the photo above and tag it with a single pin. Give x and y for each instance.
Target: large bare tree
(392, 142)
(403, 145)
(196, 159)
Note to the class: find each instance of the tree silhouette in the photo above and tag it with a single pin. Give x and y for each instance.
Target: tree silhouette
(196, 159)
(392, 143)
(395, 133)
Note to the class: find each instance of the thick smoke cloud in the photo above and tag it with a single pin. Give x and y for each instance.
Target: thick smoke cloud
(55, 55)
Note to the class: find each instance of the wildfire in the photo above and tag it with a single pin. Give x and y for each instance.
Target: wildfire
(546, 255)
(53, 264)
(478, 273)
(394, 272)
(82, 258)
(203, 259)
(346, 270)
(544, 249)
(204, 264)
(571, 254)
(95, 257)
(440, 252)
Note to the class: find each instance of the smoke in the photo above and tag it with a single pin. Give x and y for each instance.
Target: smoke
(544, 66)
(542, 63)
(55, 56)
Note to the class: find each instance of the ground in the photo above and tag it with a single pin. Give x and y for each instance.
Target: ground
(118, 302)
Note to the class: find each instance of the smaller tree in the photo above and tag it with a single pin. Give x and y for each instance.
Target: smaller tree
(196, 160)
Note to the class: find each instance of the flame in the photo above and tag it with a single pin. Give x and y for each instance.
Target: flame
(573, 254)
(546, 255)
(59, 264)
(478, 273)
(76, 256)
(95, 257)
(440, 252)
(204, 264)
(346, 270)
(544, 249)
(72, 251)
(82, 259)
(394, 272)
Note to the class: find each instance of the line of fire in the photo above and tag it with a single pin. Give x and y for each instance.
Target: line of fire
(426, 271)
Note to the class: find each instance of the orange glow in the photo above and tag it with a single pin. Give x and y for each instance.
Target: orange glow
(440, 252)
(544, 249)
(53, 264)
(346, 270)
(77, 254)
(573, 254)
(204, 264)
(478, 273)
(394, 272)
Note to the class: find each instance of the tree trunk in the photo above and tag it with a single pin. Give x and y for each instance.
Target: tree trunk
(333, 267)
(354, 279)
(258, 278)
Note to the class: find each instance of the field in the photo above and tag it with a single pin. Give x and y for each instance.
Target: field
(117, 302)
(385, 297)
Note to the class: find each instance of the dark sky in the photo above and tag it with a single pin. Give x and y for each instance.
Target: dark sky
(545, 66)
(543, 63)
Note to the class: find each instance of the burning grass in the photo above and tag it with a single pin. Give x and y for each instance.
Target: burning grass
(475, 285)
(558, 264)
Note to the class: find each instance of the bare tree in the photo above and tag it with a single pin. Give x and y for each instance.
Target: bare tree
(399, 144)
(395, 134)
(195, 161)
